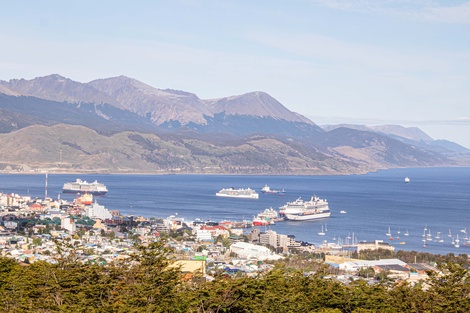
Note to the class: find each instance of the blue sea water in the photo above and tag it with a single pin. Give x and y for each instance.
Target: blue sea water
(436, 198)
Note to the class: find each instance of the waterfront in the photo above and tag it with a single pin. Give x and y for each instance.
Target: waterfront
(438, 198)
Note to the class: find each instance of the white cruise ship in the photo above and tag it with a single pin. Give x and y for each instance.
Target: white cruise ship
(82, 186)
(238, 193)
(300, 210)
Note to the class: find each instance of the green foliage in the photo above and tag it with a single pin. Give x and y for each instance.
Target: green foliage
(366, 272)
(37, 241)
(148, 282)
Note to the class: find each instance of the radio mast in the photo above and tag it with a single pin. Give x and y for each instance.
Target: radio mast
(45, 191)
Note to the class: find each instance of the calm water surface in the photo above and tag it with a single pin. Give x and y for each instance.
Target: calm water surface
(436, 198)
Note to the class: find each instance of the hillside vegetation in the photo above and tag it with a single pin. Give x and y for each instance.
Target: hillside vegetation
(66, 148)
(146, 283)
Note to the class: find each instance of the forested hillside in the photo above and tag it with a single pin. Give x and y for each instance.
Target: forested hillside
(146, 283)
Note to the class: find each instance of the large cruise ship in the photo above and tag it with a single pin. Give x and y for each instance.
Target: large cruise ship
(300, 210)
(82, 186)
(238, 193)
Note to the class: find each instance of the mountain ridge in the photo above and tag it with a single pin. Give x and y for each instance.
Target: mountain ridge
(165, 130)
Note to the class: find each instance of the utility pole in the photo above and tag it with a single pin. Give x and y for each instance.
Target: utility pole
(45, 191)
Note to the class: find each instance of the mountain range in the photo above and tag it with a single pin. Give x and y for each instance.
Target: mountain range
(121, 125)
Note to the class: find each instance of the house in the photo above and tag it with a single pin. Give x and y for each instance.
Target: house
(191, 268)
(394, 270)
(36, 207)
(355, 265)
(10, 224)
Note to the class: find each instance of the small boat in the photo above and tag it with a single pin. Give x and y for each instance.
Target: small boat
(343, 212)
(388, 233)
(406, 233)
(429, 236)
(407, 179)
(322, 233)
(402, 243)
(449, 234)
(457, 241)
(266, 189)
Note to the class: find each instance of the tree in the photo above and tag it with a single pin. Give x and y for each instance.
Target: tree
(366, 272)
(153, 284)
(449, 290)
(37, 241)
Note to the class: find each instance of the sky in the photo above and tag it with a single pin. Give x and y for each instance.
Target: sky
(368, 62)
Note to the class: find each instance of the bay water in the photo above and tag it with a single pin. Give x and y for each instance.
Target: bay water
(437, 199)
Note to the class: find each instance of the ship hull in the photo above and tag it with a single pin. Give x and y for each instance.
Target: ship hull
(306, 216)
(274, 192)
(74, 191)
(253, 196)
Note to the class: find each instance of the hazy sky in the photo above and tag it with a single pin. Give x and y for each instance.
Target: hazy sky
(367, 62)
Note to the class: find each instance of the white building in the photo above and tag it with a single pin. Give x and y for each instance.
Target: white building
(248, 250)
(98, 211)
(356, 265)
(274, 239)
(377, 244)
(203, 235)
(10, 224)
(269, 238)
(283, 241)
(68, 224)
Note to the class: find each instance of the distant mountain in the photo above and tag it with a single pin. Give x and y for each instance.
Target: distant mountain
(412, 133)
(7, 91)
(258, 104)
(57, 88)
(20, 111)
(449, 146)
(67, 148)
(378, 148)
(159, 106)
(409, 135)
(120, 124)
(170, 110)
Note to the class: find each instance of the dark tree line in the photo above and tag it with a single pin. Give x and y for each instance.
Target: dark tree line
(146, 283)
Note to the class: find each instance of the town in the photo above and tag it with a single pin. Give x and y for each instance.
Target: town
(33, 228)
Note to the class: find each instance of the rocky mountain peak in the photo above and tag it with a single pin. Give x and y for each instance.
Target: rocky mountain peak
(58, 88)
(256, 103)
(160, 105)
